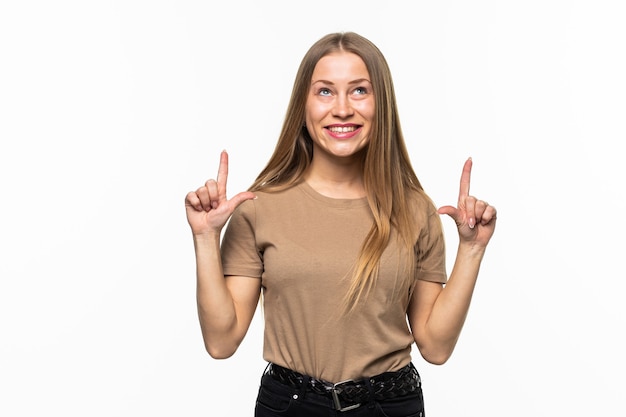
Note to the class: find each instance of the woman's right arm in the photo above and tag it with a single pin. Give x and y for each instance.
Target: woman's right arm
(226, 305)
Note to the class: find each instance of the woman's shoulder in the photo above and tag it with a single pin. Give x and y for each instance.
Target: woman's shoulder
(275, 192)
(421, 202)
(269, 198)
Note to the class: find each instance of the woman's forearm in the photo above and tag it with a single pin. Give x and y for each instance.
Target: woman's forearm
(216, 309)
(450, 309)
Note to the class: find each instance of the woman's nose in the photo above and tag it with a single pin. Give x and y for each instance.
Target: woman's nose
(342, 107)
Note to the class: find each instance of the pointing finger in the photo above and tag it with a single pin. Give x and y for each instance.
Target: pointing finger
(464, 188)
(222, 176)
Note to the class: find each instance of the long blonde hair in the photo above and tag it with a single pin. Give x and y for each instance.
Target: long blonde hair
(389, 178)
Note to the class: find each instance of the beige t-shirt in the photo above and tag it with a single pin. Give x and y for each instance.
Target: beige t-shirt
(303, 245)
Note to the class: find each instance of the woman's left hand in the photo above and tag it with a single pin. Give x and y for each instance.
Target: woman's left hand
(475, 219)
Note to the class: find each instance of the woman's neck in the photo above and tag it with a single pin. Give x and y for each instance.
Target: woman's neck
(336, 180)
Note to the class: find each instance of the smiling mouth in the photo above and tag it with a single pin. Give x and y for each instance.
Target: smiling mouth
(342, 129)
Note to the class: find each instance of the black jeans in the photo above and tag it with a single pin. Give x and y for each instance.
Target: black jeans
(278, 400)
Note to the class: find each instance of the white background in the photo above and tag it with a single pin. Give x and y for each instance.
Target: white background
(111, 111)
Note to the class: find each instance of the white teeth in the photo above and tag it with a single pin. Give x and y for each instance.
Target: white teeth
(342, 129)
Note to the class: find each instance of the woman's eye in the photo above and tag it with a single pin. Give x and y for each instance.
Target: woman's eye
(360, 90)
(324, 92)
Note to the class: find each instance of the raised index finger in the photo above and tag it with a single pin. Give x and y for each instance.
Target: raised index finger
(465, 179)
(222, 175)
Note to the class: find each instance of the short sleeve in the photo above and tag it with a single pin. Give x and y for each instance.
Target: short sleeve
(240, 254)
(431, 250)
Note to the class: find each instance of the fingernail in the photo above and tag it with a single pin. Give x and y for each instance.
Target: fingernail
(471, 223)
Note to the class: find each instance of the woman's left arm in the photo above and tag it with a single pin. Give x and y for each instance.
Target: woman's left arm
(437, 313)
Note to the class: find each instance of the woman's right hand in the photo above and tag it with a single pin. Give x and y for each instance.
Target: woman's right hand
(207, 208)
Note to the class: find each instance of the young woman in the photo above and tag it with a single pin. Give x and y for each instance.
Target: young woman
(342, 242)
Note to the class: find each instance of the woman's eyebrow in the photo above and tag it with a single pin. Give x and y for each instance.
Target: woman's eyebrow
(357, 81)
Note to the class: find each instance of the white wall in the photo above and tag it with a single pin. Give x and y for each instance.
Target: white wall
(110, 111)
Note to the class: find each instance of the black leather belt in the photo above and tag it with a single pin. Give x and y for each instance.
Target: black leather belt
(351, 394)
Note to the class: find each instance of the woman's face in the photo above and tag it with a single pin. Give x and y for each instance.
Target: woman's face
(340, 105)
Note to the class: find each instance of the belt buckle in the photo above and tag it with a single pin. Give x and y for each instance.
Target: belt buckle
(337, 400)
